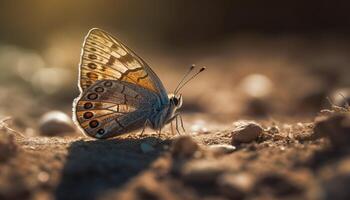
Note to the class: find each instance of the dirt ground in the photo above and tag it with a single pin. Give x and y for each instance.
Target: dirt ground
(296, 161)
(262, 133)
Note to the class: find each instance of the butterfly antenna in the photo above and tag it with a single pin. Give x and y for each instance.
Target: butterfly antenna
(188, 80)
(184, 77)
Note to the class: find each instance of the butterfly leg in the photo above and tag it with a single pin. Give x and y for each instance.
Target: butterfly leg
(159, 132)
(182, 124)
(171, 123)
(177, 125)
(144, 127)
(172, 128)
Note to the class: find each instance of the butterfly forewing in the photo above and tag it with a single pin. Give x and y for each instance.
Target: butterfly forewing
(104, 57)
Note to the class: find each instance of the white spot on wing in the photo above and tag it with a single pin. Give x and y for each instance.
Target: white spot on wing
(123, 69)
(115, 54)
(121, 52)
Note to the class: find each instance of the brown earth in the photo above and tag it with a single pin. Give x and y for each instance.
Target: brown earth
(289, 151)
(286, 161)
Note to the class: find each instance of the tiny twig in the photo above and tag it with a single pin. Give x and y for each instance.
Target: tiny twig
(4, 125)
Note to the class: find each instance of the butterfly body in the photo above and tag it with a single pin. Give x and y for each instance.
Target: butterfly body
(165, 113)
(119, 92)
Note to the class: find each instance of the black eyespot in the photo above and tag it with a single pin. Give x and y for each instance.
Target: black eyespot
(101, 131)
(92, 56)
(88, 115)
(92, 65)
(108, 84)
(94, 124)
(88, 105)
(92, 96)
(99, 89)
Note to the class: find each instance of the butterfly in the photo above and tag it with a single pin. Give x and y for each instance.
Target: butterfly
(119, 92)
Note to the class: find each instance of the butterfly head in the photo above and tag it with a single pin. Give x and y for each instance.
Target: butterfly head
(175, 100)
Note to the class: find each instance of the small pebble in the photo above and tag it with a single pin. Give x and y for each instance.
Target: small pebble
(199, 127)
(273, 130)
(257, 85)
(184, 147)
(341, 97)
(202, 171)
(146, 147)
(246, 132)
(55, 123)
(220, 149)
(235, 186)
(43, 177)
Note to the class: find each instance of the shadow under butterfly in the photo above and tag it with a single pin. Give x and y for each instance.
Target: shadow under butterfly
(94, 168)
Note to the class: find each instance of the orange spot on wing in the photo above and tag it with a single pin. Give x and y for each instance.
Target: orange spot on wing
(140, 78)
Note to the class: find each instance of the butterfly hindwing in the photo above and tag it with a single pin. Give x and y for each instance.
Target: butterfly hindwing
(110, 107)
(104, 57)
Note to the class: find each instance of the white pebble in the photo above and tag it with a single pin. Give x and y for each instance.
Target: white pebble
(222, 148)
(55, 123)
(257, 85)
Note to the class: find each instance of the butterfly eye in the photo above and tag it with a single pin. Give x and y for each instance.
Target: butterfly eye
(176, 101)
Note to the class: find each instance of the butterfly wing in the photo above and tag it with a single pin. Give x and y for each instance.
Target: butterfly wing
(110, 107)
(105, 57)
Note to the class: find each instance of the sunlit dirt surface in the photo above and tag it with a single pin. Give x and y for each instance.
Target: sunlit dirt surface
(82, 168)
(281, 85)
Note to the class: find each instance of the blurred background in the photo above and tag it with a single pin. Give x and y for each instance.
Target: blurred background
(264, 58)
